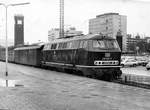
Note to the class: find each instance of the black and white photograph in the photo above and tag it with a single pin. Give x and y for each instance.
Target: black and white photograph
(74, 54)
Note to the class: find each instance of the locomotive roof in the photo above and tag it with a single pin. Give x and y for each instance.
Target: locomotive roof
(83, 37)
(29, 47)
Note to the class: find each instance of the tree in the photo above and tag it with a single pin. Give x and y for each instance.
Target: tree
(148, 47)
(132, 47)
(142, 46)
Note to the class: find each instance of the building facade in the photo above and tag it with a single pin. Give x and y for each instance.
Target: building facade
(133, 40)
(54, 33)
(110, 24)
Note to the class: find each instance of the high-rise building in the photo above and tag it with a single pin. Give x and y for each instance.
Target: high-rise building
(19, 30)
(110, 24)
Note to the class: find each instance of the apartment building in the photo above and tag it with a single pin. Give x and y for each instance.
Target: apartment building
(110, 24)
(54, 33)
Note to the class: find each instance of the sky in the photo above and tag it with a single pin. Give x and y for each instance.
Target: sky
(42, 15)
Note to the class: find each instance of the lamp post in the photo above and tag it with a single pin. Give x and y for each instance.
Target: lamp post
(6, 49)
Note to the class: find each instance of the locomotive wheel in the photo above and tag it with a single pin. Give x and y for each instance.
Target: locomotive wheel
(106, 77)
(94, 76)
(77, 72)
(60, 69)
(87, 73)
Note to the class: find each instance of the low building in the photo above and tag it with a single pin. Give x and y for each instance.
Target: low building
(54, 33)
(134, 40)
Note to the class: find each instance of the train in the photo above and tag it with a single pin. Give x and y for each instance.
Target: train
(91, 55)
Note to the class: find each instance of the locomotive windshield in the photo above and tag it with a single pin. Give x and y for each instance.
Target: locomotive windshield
(105, 44)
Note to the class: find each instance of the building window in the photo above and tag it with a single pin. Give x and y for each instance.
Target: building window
(106, 20)
(19, 22)
(106, 28)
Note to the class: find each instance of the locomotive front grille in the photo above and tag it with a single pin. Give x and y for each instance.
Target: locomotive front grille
(106, 62)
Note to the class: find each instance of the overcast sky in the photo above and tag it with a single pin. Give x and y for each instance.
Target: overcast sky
(42, 15)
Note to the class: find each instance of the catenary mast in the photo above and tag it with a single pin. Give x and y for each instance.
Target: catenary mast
(61, 28)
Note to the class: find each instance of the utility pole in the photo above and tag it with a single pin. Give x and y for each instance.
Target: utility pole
(61, 28)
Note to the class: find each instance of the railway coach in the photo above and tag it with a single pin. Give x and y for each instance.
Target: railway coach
(92, 55)
(10, 54)
(28, 55)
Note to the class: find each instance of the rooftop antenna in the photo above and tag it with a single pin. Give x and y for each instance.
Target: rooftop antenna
(61, 30)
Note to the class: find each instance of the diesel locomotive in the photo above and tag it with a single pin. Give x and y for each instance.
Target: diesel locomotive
(92, 55)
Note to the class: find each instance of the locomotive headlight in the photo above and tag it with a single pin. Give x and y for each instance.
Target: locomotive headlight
(110, 62)
(96, 63)
(116, 62)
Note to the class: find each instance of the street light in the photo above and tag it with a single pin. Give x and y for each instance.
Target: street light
(6, 52)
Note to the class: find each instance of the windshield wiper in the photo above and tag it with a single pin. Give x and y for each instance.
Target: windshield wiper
(99, 43)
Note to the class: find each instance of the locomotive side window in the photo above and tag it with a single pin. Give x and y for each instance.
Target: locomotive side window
(49, 46)
(85, 44)
(69, 45)
(81, 44)
(53, 46)
(75, 44)
(60, 45)
(45, 47)
(64, 45)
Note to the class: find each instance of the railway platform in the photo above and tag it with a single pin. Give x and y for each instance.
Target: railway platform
(29, 88)
(136, 74)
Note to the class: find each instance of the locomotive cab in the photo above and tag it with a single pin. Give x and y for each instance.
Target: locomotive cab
(104, 52)
(101, 57)
(94, 51)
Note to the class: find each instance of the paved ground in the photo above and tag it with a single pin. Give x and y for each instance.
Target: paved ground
(38, 89)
